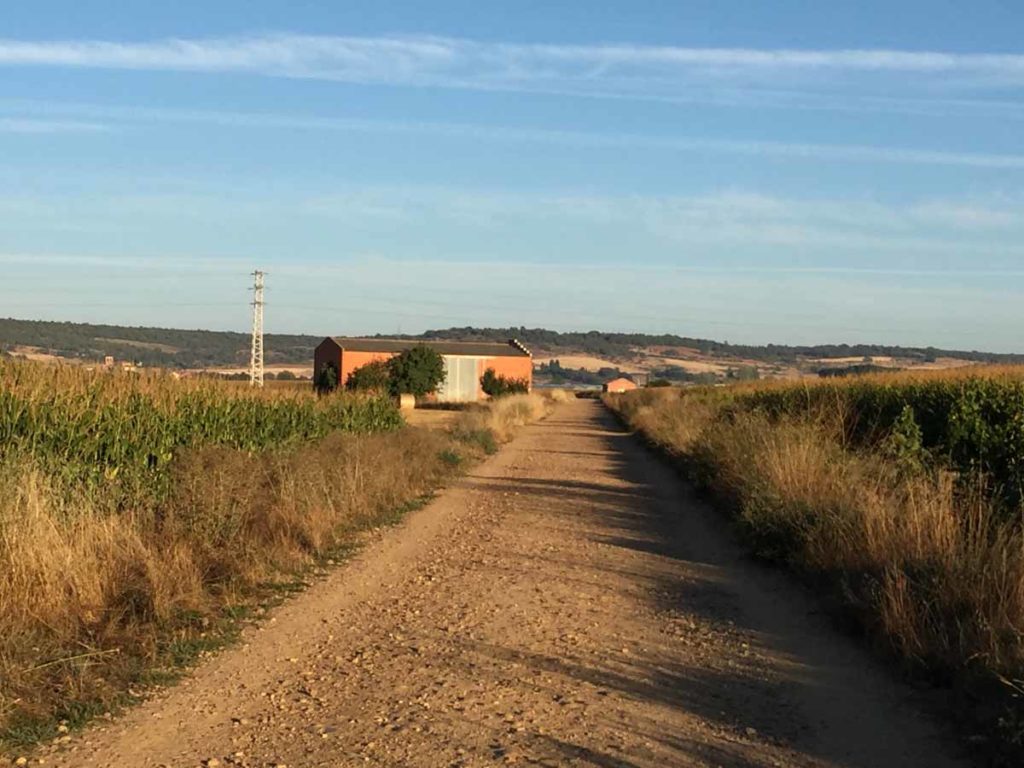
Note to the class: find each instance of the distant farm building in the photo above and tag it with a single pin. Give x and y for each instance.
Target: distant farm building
(618, 385)
(464, 362)
(640, 379)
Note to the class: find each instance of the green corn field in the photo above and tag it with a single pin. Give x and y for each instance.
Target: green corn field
(122, 430)
(969, 423)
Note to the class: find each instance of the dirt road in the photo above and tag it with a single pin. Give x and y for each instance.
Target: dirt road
(568, 604)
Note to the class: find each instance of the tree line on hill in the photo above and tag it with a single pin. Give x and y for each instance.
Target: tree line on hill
(177, 348)
(162, 347)
(600, 343)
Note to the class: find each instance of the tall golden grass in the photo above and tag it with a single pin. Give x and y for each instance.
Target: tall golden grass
(922, 558)
(502, 416)
(89, 598)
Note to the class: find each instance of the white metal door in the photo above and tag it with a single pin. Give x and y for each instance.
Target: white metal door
(460, 381)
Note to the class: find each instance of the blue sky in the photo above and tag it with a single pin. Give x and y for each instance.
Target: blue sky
(796, 172)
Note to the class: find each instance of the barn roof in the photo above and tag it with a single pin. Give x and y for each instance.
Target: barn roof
(511, 348)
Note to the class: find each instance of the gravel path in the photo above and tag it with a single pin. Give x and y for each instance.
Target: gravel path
(570, 603)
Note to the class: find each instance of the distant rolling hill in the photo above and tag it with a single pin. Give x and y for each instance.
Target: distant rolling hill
(184, 349)
(163, 347)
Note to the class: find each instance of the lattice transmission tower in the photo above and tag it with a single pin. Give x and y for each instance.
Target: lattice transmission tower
(256, 358)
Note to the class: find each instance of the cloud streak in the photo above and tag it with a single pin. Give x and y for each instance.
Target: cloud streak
(401, 56)
(618, 71)
(844, 153)
(34, 126)
(712, 230)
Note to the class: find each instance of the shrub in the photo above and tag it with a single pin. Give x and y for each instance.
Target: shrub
(416, 371)
(497, 386)
(903, 445)
(504, 416)
(556, 395)
(372, 377)
(327, 379)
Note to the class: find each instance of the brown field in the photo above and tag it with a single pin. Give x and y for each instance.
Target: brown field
(586, 362)
(878, 360)
(37, 355)
(298, 370)
(946, 363)
(692, 366)
(141, 345)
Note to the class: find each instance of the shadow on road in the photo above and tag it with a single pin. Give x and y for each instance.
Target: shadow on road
(724, 657)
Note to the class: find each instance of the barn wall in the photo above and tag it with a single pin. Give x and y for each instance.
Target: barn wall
(619, 385)
(350, 360)
(510, 367)
(327, 351)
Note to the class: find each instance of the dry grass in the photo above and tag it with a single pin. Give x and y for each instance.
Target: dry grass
(89, 598)
(504, 415)
(431, 417)
(927, 564)
(555, 395)
(659, 412)
(935, 569)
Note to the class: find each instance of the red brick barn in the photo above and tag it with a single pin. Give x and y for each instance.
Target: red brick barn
(464, 362)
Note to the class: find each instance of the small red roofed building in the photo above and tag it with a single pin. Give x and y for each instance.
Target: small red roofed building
(618, 385)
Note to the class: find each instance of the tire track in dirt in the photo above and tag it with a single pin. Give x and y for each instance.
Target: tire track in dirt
(569, 603)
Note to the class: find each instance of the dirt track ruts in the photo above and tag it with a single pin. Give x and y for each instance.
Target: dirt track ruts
(569, 603)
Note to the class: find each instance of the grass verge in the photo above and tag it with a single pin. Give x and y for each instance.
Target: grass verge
(923, 558)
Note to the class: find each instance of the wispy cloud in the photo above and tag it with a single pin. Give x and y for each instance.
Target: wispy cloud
(622, 71)
(402, 57)
(844, 153)
(712, 232)
(963, 228)
(33, 126)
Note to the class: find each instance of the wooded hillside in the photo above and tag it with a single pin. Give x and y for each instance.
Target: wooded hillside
(176, 348)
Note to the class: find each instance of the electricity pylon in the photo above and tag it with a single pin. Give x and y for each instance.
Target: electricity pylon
(256, 358)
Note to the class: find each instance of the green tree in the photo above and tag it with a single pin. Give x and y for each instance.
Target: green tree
(416, 371)
(372, 377)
